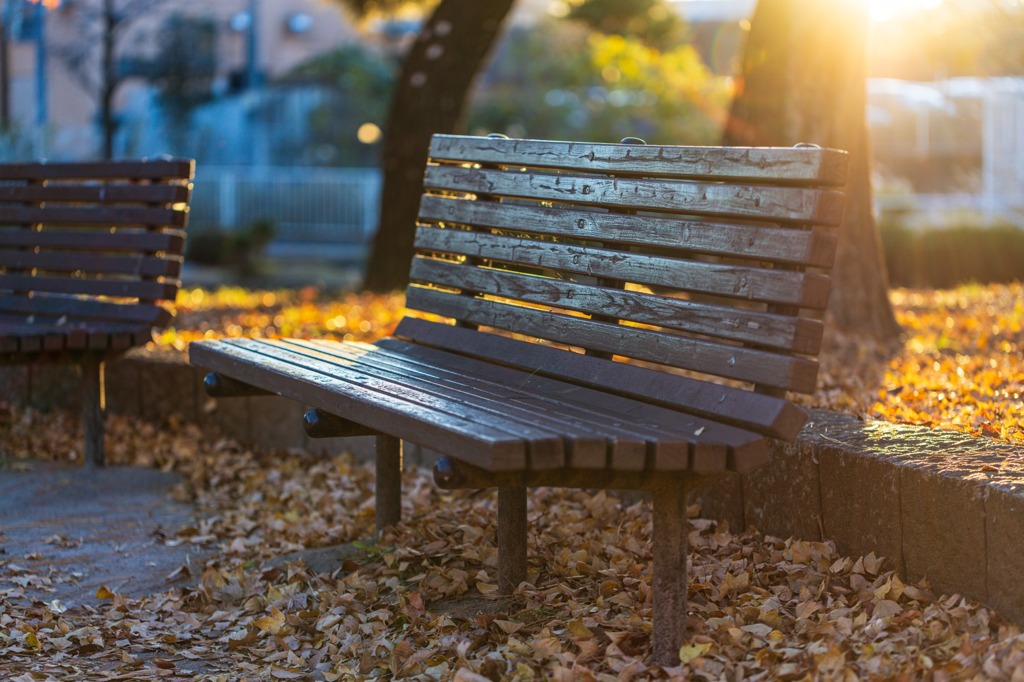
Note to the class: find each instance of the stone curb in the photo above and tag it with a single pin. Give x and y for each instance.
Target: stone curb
(937, 504)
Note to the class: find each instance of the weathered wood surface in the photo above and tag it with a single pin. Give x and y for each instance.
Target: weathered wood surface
(91, 216)
(787, 287)
(736, 240)
(777, 165)
(759, 413)
(671, 576)
(389, 482)
(289, 376)
(72, 308)
(634, 435)
(783, 332)
(147, 169)
(97, 194)
(753, 202)
(733, 362)
(123, 288)
(137, 265)
(90, 240)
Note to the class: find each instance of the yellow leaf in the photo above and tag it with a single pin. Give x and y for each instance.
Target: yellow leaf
(579, 630)
(688, 652)
(272, 623)
(31, 640)
(104, 593)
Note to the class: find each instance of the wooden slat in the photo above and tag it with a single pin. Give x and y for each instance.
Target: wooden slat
(545, 447)
(731, 362)
(438, 430)
(776, 204)
(593, 442)
(153, 169)
(102, 194)
(172, 242)
(146, 266)
(796, 165)
(587, 441)
(764, 414)
(780, 332)
(805, 290)
(146, 290)
(775, 244)
(715, 446)
(81, 309)
(92, 215)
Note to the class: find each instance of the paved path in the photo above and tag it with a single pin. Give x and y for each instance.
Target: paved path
(67, 532)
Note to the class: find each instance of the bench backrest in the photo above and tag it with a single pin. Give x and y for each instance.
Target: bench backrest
(92, 242)
(704, 259)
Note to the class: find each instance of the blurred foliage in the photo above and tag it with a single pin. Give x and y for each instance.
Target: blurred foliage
(651, 21)
(947, 257)
(557, 80)
(957, 38)
(359, 80)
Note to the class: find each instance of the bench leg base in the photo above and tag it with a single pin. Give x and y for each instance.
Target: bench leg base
(670, 572)
(511, 538)
(93, 408)
(389, 481)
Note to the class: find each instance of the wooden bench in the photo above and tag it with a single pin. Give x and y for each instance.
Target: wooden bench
(87, 253)
(594, 289)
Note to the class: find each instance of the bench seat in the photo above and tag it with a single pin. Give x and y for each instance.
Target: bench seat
(586, 315)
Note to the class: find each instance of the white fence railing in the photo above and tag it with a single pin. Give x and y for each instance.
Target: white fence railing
(327, 212)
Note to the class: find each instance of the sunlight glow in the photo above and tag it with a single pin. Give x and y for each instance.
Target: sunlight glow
(883, 10)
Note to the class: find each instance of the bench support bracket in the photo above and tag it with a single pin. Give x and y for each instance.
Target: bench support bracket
(93, 408)
(389, 481)
(511, 537)
(668, 545)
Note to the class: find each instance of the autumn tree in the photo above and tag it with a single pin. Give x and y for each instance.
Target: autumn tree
(428, 98)
(804, 80)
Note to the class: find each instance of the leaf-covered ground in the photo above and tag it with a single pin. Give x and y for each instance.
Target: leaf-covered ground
(762, 607)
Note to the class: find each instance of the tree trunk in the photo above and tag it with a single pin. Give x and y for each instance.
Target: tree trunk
(429, 94)
(804, 80)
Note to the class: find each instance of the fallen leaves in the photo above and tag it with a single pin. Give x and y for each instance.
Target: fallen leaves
(423, 603)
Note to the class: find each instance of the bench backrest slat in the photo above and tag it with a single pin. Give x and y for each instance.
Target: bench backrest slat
(96, 241)
(781, 204)
(90, 216)
(783, 332)
(701, 259)
(823, 167)
(113, 242)
(95, 193)
(809, 247)
(784, 287)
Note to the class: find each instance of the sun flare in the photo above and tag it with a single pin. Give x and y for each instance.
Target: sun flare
(882, 10)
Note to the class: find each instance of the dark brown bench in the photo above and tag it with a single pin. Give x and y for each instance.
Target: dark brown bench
(87, 253)
(599, 294)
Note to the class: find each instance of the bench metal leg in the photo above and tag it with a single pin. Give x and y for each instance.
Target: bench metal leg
(389, 481)
(93, 407)
(670, 573)
(511, 538)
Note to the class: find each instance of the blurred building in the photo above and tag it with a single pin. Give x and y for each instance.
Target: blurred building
(253, 41)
